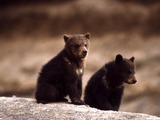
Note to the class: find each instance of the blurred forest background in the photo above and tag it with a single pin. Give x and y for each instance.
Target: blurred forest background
(31, 33)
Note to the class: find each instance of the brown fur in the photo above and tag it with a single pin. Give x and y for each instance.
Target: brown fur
(105, 88)
(62, 75)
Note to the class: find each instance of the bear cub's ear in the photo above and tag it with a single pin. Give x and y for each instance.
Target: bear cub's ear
(119, 58)
(65, 37)
(87, 35)
(132, 59)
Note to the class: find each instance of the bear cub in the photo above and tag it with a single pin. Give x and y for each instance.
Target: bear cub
(105, 88)
(62, 75)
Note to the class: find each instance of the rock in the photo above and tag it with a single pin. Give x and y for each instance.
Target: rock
(14, 108)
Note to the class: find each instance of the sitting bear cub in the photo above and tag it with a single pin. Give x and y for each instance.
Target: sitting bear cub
(62, 75)
(105, 88)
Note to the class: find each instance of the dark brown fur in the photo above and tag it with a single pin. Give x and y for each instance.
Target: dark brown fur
(105, 88)
(62, 75)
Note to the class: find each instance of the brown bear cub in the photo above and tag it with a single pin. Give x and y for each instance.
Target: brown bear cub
(105, 88)
(62, 75)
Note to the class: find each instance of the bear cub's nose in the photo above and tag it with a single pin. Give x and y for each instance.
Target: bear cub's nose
(84, 53)
(134, 81)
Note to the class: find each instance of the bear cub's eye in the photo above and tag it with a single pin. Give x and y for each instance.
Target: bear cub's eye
(85, 45)
(77, 45)
(129, 71)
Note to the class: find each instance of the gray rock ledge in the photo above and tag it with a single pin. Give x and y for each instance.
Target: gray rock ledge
(14, 108)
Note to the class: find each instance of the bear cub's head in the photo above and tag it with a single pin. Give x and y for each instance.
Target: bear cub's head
(126, 69)
(77, 45)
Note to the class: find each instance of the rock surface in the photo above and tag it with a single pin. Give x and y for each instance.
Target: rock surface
(13, 108)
